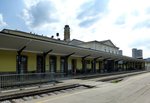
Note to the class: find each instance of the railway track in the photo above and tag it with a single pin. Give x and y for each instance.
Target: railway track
(22, 97)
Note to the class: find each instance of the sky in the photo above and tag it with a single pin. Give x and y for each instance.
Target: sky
(125, 22)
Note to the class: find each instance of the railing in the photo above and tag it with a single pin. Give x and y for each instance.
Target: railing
(19, 80)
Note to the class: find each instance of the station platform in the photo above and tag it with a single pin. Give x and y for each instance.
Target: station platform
(135, 89)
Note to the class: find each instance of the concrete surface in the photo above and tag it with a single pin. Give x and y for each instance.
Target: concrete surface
(135, 89)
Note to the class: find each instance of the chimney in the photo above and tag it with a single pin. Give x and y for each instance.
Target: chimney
(66, 33)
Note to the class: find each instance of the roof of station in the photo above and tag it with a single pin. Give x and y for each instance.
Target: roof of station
(16, 40)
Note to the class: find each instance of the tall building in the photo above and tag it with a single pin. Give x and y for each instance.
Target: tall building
(137, 53)
(120, 52)
(134, 52)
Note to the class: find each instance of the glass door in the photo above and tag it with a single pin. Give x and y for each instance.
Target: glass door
(52, 64)
(62, 65)
(40, 64)
(21, 64)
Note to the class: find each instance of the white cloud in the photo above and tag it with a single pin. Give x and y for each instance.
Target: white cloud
(123, 34)
(40, 14)
(65, 14)
(2, 22)
(118, 23)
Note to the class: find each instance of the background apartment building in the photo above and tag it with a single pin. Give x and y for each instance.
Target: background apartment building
(137, 53)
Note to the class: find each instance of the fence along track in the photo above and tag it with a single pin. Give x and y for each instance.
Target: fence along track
(20, 80)
(11, 81)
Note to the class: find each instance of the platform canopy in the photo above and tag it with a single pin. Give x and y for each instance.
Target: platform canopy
(16, 40)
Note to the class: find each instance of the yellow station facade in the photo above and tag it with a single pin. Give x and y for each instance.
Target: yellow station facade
(22, 52)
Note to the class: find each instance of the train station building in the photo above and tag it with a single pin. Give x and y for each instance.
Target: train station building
(22, 52)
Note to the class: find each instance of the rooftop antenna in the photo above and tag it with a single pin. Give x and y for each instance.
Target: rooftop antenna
(52, 36)
(57, 34)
